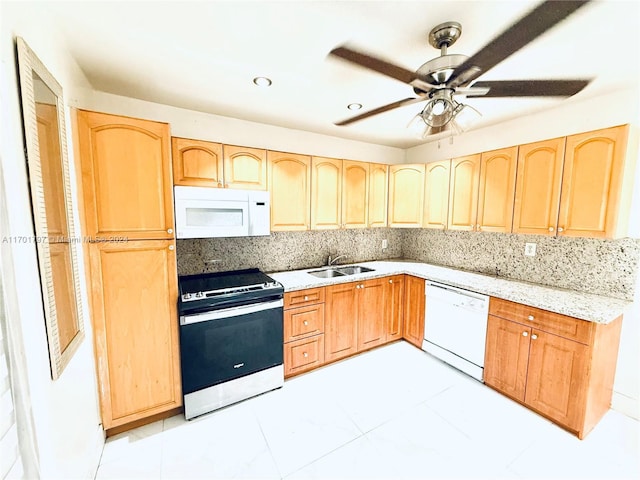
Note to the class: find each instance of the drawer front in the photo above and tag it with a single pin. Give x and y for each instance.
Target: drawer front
(303, 355)
(303, 322)
(555, 323)
(300, 298)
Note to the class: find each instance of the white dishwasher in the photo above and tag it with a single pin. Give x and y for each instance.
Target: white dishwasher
(455, 327)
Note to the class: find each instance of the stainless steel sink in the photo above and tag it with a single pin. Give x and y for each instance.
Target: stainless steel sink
(340, 271)
(329, 273)
(353, 269)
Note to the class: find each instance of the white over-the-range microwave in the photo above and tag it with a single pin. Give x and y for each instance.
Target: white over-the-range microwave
(203, 212)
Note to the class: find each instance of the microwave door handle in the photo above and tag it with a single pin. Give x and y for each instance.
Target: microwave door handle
(230, 312)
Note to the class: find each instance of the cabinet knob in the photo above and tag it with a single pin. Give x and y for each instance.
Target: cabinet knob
(560, 229)
(551, 229)
(525, 334)
(305, 354)
(390, 281)
(534, 336)
(171, 247)
(219, 184)
(305, 323)
(169, 230)
(530, 317)
(306, 297)
(478, 227)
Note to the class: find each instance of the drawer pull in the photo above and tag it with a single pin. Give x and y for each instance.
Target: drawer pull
(306, 297)
(534, 336)
(305, 354)
(525, 334)
(305, 323)
(530, 317)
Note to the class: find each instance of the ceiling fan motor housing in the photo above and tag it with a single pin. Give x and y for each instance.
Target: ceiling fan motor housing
(438, 70)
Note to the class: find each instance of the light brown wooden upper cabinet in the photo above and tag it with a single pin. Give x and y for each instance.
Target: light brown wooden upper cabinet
(463, 193)
(197, 163)
(126, 176)
(436, 194)
(378, 194)
(326, 193)
(355, 194)
(538, 180)
(245, 168)
(406, 195)
(289, 182)
(496, 190)
(207, 164)
(597, 184)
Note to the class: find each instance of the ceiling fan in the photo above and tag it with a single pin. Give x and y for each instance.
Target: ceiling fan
(446, 76)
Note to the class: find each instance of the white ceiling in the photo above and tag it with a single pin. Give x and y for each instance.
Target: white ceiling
(203, 55)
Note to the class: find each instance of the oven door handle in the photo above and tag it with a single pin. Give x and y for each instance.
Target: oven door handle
(230, 312)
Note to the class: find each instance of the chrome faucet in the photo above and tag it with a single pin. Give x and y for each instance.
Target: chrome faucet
(331, 261)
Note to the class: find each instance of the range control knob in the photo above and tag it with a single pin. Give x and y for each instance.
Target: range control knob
(199, 295)
(186, 296)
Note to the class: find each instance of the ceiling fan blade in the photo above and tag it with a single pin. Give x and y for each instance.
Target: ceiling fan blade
(375, 64)
(524, 31)
(376, 111)
(528, 88)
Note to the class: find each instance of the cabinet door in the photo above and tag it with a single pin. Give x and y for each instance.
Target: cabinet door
(507, 356)
(245, 168)
(496, 190)
(394, 307)
(326, 193)
(463, 193)
(289, 184)
(197, 163)
(414, 310)
(436, 194)
(556, 379)
(406, 195)
(340, 321)
(592, 183)
(134, 290)
(538, 182)
(355, 194)
(126, 176)
(378, 194)
(371, 313)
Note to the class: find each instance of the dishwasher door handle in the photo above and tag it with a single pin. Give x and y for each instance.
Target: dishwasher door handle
(458, 291)
(230, 312)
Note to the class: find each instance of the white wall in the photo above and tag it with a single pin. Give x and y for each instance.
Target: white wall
(617, 108)
(232, 131)
(66, 414)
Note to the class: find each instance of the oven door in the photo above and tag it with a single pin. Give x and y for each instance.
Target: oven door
(226, 344)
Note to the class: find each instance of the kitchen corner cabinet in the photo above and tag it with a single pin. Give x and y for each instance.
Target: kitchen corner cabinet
(355, 194)
(496, 190)
(538, 182)
(406, 195)
(197, 163)
(378, 194)
(326, 193)
(245, 168)
(463, 193)
(126, 176)
(436, 194)
(394, 307)
(134, 291)
(597, 184)
(414, 305)
(559, 366)
(289, 180)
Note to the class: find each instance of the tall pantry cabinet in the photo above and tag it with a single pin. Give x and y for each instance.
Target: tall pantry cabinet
(128, 204)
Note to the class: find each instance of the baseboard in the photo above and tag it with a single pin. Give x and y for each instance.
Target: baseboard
(627, 405)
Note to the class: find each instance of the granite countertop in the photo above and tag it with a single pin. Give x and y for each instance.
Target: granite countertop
(586, 306)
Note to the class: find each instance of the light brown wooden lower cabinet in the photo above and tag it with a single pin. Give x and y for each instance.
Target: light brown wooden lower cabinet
(414, 304)
(559, 366)
(134, 294)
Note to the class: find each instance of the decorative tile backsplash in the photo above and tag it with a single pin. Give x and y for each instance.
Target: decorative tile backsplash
(286, 250)
(603, 267)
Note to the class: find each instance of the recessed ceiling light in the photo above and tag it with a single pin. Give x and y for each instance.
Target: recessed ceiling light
(354, 106)
(262, 81)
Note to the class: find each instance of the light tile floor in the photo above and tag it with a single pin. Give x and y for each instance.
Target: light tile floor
(395, 412)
